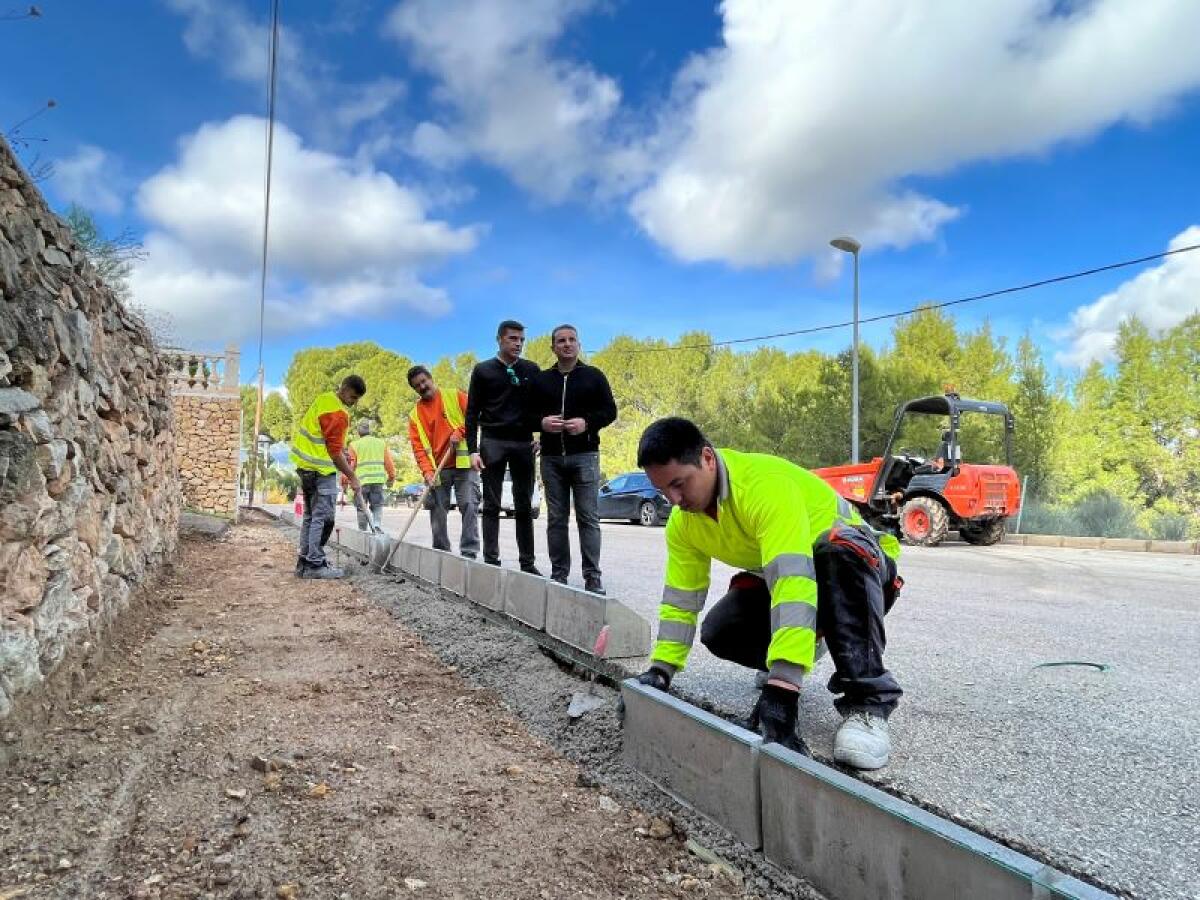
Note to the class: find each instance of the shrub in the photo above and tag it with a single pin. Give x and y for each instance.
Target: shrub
(1102, 513)
(1044, 518)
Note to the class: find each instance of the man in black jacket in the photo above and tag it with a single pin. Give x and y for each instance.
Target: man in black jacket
(569, 403)
(496, 406)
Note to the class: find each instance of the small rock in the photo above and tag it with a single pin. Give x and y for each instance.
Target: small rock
(144, 728)
(608, 804)
(287, 891)
(319, 790)
(512, 770)
(414, 884)
(272, 782)
(235, 793)
(262, 764)
(690, 884)
(64, 863)
(199, 647)
(660, 830)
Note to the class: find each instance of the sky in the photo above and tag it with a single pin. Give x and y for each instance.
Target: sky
(629, 167)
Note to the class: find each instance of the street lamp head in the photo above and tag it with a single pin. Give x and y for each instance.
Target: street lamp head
(846, 244)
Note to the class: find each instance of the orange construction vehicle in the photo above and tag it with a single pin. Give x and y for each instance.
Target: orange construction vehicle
(922, 495)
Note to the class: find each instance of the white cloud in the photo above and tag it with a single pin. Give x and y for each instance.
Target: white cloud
(91, 178)
(511, 101)
(805, 124)
(308, 84)
(347, 241)
(1161, 297)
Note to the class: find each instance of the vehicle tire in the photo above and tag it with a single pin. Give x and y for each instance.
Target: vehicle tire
(986, 533)
(647, 514)
(924, 522)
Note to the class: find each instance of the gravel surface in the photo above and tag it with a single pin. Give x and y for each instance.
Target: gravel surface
(1092, 771)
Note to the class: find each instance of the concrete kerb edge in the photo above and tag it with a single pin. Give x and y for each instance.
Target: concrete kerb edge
(1044, 881)
(711, 765)
(1121, 545)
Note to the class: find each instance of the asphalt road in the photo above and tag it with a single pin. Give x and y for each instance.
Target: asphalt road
(1094, 770)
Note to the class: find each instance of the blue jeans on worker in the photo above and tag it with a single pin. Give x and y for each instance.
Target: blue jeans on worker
(372, 495)
(465, 483)
(576, 475)
(320, 510)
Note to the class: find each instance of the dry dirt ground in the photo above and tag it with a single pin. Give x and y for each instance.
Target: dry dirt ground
(251, 735)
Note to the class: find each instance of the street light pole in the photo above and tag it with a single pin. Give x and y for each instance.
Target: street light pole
(851, 246)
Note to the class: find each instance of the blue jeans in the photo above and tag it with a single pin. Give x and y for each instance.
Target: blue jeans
(466, 496)
(563, 477)
(320, 510)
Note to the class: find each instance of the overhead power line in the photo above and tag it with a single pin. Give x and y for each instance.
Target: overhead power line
(262, 284)
(815, 329)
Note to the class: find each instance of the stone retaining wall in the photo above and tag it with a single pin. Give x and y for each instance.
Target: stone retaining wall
(210, 429)
(89, 498)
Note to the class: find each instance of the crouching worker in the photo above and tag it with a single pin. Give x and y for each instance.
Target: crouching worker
(812, 569)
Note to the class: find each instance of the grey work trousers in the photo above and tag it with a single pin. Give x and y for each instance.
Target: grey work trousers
(465, 483)
(320, 511)
(563, 477)
(372, 498)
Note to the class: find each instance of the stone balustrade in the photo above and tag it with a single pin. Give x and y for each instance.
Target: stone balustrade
(200, 372)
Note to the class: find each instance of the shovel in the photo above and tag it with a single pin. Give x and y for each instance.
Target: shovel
(387, 563)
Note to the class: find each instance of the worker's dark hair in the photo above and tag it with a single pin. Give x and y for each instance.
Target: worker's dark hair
(356, 384)
(415, 371)
(558, 328)
(671, 440)
(508, 325)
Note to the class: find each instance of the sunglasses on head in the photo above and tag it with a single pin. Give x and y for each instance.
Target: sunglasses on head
(512, 375)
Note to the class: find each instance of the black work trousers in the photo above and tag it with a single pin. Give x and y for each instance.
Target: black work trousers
(856, 586)
(517, 458)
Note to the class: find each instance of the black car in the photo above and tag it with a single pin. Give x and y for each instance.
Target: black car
(632, 497)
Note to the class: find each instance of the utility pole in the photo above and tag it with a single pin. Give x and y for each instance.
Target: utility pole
(851, 246)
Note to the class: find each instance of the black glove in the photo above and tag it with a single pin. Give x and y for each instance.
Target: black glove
(774, 717)
(656, 678)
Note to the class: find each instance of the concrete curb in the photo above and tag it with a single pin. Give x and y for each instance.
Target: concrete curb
(848, 839)
(1127, 545)
(698, 758)
(855, 842)
(576, 617)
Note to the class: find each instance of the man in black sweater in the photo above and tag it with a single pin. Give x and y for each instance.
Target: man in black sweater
(569, 403)
(499, 438)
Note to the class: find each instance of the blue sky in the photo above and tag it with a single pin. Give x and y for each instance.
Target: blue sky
(631, 167)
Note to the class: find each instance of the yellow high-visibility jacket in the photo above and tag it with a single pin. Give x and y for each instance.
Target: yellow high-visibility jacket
(769, 514)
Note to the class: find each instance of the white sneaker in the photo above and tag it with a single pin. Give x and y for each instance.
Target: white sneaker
(862, 741)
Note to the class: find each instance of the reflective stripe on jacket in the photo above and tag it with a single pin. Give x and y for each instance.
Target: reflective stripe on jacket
(369, 452)
(453, 414)
(308, 449)
(769, 514)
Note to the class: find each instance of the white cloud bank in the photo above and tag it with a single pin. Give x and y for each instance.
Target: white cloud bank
(1161, 297)
(347, 241)
(91, 178)
(809, 119)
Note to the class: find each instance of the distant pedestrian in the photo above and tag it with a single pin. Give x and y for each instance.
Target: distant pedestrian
(437, 424)
(373, 465)
(318, 451)
(499, 439)
(569, 403)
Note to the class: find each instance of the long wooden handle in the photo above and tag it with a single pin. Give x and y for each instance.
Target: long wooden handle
(420, 504)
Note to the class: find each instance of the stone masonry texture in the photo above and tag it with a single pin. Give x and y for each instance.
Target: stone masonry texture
(210, 430)
(89, 498)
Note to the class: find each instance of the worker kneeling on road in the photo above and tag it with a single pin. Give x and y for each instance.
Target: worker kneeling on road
(812, 568)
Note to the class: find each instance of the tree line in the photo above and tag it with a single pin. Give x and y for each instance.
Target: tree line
(1115, 451)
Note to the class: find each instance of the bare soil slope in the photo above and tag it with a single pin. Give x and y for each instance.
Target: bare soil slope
(258, 736)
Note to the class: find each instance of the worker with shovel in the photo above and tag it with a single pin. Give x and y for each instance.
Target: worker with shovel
(318, 451)
(372, 461)
(436, 430)
(811, 568)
